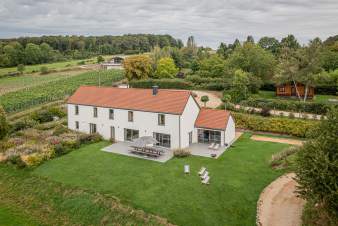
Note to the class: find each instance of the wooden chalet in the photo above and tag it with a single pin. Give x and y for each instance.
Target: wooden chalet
(289, 90)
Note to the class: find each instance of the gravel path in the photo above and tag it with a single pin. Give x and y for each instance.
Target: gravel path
(277, 140)
(214, 100)
(278, 204)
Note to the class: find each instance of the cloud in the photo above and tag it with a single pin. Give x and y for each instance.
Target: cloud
(210, 21)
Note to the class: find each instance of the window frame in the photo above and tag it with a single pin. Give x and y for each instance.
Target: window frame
(76, 109)
(111, 114)
(160, 119)
(281, 89)
(95, 112)
(130, 116)
(77, 125)
(92, 128)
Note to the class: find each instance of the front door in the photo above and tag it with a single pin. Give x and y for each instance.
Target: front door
(112, 132)
(190, 137)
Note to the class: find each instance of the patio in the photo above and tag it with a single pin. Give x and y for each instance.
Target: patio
(123, 148)
(203, 150)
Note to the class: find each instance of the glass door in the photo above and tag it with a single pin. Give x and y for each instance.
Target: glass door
(163, 139)
(130, 134)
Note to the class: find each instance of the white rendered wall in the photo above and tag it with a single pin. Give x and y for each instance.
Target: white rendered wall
(188, 119)
(230, 131)
(145, 122)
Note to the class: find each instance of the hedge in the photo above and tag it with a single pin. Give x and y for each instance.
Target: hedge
(162, 83)
(286, 105)
(294, 127)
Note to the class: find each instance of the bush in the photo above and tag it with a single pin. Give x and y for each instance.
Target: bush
(22, 124)
(288, 105)
(4, 126)
(16, 160)
(89, 138)
(291, 115)
(44, 70)
(277, 158)
(294, 127)
(60, 129)
(59, 149)
(265, 112)
(162, 83)
(181, 153)
(47, 115)
(21, 68)
(34, 159)
(81, 62)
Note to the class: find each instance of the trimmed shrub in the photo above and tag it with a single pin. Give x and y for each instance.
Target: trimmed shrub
(34, 159)
(59, 149)
(294, 127)
(288, 105)
(22, 124)
(181, 152)
(162, 83)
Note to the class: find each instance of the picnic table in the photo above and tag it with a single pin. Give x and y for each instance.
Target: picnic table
(149, 151)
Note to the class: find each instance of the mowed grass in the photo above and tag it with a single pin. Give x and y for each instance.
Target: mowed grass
(237, 179)
(10, 216)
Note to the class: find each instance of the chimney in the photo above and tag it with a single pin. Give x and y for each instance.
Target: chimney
(155, 90)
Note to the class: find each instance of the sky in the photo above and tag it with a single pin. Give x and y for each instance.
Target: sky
(209, 21)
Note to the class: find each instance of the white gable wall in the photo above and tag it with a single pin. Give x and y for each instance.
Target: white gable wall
(188, 119)
(230, 131)
(145, 122)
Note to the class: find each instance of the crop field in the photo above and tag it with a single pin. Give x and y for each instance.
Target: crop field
(55, 90)
(50, 66)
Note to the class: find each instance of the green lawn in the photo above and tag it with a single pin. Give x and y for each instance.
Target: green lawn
(10, 216)
(272, 95)
(237, 178)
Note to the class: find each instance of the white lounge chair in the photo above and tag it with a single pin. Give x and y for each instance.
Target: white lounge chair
(206, 180)
(186, 169)
(211, 146)
(216, 146)
(202, 170)
(205, 175)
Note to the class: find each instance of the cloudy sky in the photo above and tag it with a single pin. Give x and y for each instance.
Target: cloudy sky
(210, 21)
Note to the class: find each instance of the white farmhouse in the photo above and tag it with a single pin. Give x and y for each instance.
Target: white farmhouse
(172, 117)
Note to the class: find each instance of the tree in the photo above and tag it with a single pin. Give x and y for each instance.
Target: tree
(4, 126)
(205, 99)
(239, 87)
(269, 43)
(250, 39)
(137, 67)
(166, 68)
(21, 68)
(317, 166)
(213, 66)
(302, 66)
(100, 59)
(290, 42)
(252, 58)
(226, 100)
(33, 54)
(191, 42)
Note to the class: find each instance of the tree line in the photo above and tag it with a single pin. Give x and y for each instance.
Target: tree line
(36, 50)
(244, 67)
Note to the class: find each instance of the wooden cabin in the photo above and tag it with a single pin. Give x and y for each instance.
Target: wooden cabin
(115, 63)
(289, 90)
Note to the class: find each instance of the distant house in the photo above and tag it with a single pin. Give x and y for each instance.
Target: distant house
(114, 63)
(289, 90)
(172, 117)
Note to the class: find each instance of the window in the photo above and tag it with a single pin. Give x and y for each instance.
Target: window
(209, 136)
(111, 113)
(95, 112)
(130, 134)
(92, 128)
(281, 89)
(163, 139)
(161, 119)
(77, 125)
(130, 116)
(76, 109)
(112, 132)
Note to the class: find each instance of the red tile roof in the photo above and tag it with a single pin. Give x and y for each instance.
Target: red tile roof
(165, 101)
(212, 119)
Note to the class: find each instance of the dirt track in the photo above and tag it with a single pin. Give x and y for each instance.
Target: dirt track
(277, 140)
(278, 204)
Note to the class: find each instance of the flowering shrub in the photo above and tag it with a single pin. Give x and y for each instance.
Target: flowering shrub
(181, 152)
